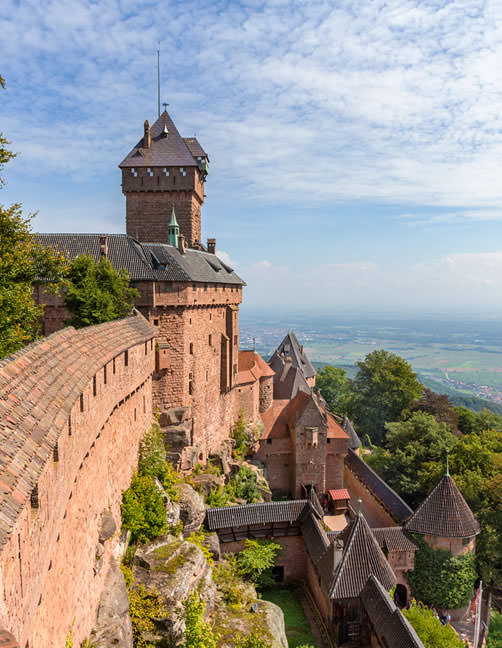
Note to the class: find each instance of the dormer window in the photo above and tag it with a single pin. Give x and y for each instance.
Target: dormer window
(134, 172)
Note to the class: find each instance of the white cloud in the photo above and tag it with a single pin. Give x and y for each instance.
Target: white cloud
(225, 257)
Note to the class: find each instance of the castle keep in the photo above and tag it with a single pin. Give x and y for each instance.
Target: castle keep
(74, 407)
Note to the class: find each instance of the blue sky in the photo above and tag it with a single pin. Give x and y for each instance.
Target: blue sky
(355, 145)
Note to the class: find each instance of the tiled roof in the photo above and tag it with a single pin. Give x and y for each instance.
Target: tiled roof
(38, 387)
(291, 348)
(444, 512)
(362, 557)
(7, 640)
(275, 420)
(164, 151)
(389, 624)
(252, 367)
(339, 494)
(194, 147)
(315, 537)
(397, 507)
(394, 539)
(354, 441)
(268, 512)
(335, 431)
(146, 261)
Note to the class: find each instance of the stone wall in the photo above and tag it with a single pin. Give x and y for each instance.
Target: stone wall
(277, 456)
(74, 407)
(374, 512)
(266, 393)
(456, 546)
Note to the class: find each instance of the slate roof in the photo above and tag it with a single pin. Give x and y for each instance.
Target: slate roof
(362, 557)
(291, 348)
(394, 539)
(38, 387)
(397, 506)
(444, 512)
(146, 261)
(388, 622)
(224, 517)
(315, 537)
(288, 380)
(172, 150)
(354, 440)
(194, 147)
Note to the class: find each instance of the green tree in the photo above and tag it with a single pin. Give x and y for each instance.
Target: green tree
(439, 579)
(334, 386)
(429, 628)
(22, 260)
(413, 456)
(198, 633)
(143, 511)
(256, 560)
(96, 292)
(384, 386)
(439, 406)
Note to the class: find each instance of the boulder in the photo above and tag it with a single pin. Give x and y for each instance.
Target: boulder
(207, 483)
(222, 456)
(108, 526)
(212, 542)
(113, 624)
(274, 622)
(173, 568)
(172, 508)
(192, 510)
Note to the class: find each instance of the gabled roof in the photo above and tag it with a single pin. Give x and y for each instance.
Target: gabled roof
(445, 513)
(291, 348)
(146, 261)
(394, 539)
(252, 367)
(362, 557)
(165, 150)
(234, 516)
(398, 508)
(354, 440)
(288, 379)
(387, 621)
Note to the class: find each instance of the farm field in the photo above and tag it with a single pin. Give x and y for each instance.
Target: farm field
(449, 355)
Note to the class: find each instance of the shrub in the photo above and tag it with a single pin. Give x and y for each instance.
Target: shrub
(198, 633)
(252, 640)
(240, 437)
(429, 628)
(153, 462)
(244, 485)
(495, 632)
(439, 579)
(143, 511)
(219, 496)
(256, 560)
(229, 582)
(145, 607)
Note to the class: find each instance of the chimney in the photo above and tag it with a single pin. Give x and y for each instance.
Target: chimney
(147, 138)
(181, 244)
(211, 245)
(103, 247)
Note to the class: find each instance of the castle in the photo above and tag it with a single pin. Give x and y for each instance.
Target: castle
(74, 406)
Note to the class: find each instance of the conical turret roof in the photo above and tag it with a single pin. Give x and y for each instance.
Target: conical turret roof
(445, 513)
(362, 557)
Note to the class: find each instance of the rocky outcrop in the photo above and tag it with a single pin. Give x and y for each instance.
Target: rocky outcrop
(172, 508)
(192, 509)
(206, 483)
(274, 623)
(173, 568)
(113, 624)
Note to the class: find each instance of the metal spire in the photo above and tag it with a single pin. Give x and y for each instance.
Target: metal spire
(447, 466)
(158, 79)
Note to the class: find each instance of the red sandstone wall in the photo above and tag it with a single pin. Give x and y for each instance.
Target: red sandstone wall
(454, 545)
(47, 565)
(247, 398)
(375, 514)
(278, 459)
(314, 584)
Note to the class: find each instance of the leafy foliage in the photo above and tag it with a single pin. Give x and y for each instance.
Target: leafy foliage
(96, 292)
(441, 580)
(413, 456)
(252, 640)
(244, 485)
(219, 496)
(439, 406)
(153, 461)
(240, 437)
(197, 538)
(429, 628)
(198, 633)
(229, 582)
(384, 386)
(335, 388)
(256, 560)
(143, 511)
(495, 632)
(145, 607)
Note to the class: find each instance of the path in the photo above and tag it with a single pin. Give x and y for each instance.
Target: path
(316, 625)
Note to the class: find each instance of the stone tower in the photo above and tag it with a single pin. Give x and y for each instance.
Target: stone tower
(164, 171)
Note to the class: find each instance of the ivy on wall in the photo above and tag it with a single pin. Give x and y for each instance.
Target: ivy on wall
(439, 579)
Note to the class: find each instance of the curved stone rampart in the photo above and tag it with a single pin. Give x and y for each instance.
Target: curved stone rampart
(73, 407)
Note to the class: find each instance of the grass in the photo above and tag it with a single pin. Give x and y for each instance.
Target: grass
(297, 627)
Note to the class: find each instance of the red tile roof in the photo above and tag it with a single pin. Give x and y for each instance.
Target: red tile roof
(275, 420)
(339, 494)
(252, 367)
(335, 430)
(38, 387)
